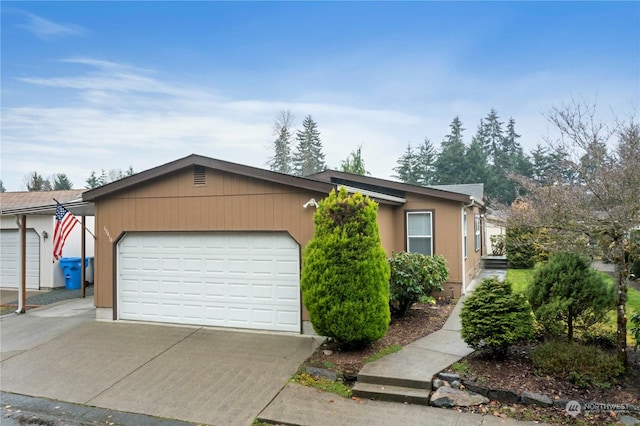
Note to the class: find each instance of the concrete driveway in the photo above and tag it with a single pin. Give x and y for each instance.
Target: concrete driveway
(196, 374)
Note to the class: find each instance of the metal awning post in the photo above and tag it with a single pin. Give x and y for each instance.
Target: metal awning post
(83, 241)
(22, 288)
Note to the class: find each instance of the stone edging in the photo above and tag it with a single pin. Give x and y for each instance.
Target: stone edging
(509, 396)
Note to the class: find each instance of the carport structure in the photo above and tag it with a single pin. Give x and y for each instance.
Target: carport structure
(39, 205)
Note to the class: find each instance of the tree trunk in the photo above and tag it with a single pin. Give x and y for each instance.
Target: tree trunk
(621, 302)
(570, 326)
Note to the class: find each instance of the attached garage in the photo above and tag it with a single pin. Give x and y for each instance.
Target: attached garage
(202, 241)
(225, 279)
(9, 257)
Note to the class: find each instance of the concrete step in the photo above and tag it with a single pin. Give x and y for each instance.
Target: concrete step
(391, 393)
(494, 262)
(412, 367)
(393, 381)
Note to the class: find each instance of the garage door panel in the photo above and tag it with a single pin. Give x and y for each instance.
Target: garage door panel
(244, 280)
(10, 276)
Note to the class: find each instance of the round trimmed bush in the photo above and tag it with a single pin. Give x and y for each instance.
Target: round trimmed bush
(345, 274)
(494, 317)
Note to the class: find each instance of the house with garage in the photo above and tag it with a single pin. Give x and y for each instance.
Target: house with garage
(208, 242)
(39, 209)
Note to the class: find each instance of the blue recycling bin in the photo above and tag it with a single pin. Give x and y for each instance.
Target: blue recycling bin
(71, 270)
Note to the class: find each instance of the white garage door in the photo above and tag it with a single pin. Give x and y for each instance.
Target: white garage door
(10, 276)
(227, 279)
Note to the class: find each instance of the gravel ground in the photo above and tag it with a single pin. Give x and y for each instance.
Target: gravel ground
(53, 296)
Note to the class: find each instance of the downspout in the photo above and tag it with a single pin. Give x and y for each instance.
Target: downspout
(464, 261)
(21, 221)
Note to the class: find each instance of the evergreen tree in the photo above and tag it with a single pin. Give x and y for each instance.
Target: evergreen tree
(540, 165)
(518, 162)
(61, 182)
(345, 273)
(35, 182)
(450, 165)
(281, 160)
(568, 290)
(406, 167)
(425, 163)
(2, 188)
(308, 157)
(491, 136)
(354, 163)
(92, 181)
(475, 159)
(95, 181)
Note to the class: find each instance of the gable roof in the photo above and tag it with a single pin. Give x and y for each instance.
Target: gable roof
(389, 187)
(212, 163)
(384, 190)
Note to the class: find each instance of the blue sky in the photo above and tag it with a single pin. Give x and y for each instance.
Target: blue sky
(107, 85)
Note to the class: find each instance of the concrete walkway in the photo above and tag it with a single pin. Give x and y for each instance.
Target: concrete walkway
(410, 369)
(301, 405)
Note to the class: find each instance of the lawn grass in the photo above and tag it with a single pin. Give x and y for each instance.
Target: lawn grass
(520, 279)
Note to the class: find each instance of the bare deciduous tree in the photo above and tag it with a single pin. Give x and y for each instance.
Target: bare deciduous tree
(602, 203)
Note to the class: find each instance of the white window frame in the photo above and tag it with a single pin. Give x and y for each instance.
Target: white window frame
(430, 236)
(476, 229)
(464, 233)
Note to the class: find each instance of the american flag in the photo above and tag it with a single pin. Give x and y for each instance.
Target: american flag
(65, 222)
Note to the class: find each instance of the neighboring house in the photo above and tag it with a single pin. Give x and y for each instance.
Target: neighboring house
(41, 272)
(208, 242)
(496, 224)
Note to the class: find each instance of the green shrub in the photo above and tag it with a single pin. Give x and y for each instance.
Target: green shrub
(494, 317)
(520, 247)
(345, 274)
(635, 330)
(582, 365)
(566, 291)
(602, 337)
(497, 245)
(414, 276)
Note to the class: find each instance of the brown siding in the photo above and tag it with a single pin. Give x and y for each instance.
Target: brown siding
(227, 202)
(386, 226)
(472, 263)
(447, 230)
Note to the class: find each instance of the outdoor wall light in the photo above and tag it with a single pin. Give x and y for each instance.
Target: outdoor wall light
(45, 235)
(311, 202)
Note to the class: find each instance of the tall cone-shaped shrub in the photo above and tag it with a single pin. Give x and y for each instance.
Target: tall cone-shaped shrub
(345, 273)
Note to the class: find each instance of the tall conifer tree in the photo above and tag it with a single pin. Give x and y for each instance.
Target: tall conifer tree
(308, 157)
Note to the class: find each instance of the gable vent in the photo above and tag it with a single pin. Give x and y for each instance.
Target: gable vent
(199, 175)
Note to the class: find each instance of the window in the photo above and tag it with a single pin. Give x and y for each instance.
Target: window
(464, 232)
(476, 230)
(420, 232)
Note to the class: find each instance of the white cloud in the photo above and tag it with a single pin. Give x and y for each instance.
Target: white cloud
(47, 30)
(114, 115)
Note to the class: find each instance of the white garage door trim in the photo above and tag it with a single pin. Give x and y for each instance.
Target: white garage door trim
(224, 279)
(10, 254)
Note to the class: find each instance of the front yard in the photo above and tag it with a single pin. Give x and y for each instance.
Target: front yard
(516, 372)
